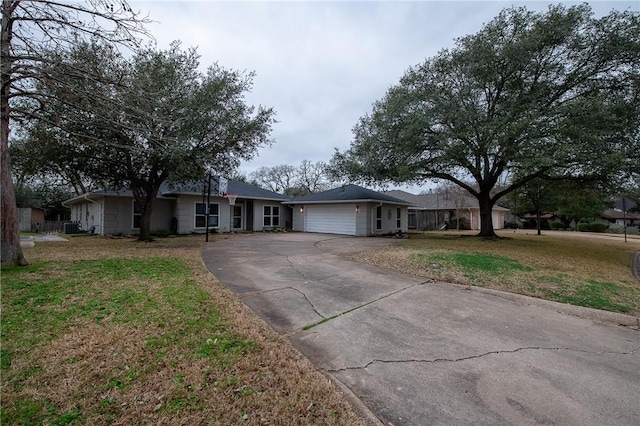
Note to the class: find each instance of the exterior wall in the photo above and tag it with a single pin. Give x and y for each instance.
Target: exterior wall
(297, 218)
(389, 219)
(185, 209)
(116, 216)
(117, 213)
(87, 214)
(497, 216)
(365, 218)
(258, 214)
(24, 219)
(185, 214)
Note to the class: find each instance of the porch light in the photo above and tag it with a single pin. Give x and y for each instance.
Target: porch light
(357, 209)
(302, 209)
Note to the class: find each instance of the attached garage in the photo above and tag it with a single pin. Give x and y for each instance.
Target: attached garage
(333, 219)
(349, 210)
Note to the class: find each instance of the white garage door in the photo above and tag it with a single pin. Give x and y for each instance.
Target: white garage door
(335, 219)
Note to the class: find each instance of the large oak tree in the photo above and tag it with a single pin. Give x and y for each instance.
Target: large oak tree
(29, 29)
(160, 119)
(531, 95)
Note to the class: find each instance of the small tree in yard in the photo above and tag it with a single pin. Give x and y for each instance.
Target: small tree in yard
(532, 95)
(29, 29)
(161, 120)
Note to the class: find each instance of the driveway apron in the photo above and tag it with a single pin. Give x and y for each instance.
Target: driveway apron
(424, 353)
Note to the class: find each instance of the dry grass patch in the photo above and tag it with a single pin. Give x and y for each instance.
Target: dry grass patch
(587, 272)
(114, 331)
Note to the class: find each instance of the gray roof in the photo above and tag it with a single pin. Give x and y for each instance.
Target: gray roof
(439, 201)
(169, 189)
(241, 189)
(346, 194)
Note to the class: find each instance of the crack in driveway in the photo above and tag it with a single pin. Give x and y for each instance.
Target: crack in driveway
(384, 296)
(256, 293)
(436, 360)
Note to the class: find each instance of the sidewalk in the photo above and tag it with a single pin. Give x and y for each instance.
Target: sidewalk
(30, 240)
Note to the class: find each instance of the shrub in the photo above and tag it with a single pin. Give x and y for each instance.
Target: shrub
(512, 225)
(161, 233)
(614, 228)
(557, 226)
(592, 227)
(461, 220)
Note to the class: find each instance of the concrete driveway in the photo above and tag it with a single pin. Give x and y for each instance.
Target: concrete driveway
(422, 353)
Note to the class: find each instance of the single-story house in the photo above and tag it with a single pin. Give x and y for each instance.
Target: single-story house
(432, 211)
(181, 209)
(610, 216)
(350, 210)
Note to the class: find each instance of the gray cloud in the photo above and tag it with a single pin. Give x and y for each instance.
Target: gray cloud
(321, 65)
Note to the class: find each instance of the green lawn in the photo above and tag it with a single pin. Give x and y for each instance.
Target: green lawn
(581, 271)
(103, 331)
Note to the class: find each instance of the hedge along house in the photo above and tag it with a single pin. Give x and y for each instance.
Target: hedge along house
(181, 209)
(349, 210)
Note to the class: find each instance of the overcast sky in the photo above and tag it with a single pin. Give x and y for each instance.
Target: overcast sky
(321, 65)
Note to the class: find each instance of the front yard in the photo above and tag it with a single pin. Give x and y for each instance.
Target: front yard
(592, 272)
(114, 331)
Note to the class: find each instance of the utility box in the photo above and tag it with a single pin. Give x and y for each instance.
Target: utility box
(71, 228)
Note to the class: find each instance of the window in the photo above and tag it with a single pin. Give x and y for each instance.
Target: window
(201, 215)
(237, 217)
(379, 218)
(137, 216)
(271, 216)
(399, 218)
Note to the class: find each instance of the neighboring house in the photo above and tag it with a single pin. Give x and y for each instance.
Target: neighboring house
(610, 216)
(530, 220)
(180, 209)
(350, 210)
(30, 218)
(432, 211)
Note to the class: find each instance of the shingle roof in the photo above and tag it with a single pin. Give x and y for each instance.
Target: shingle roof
(615, 214)
(168, 189)
(345, 194)
(241, 189)
(439, 201)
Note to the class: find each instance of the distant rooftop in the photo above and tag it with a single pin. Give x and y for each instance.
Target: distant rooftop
(438, 201)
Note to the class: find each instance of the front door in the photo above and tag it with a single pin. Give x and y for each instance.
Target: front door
(236, 220)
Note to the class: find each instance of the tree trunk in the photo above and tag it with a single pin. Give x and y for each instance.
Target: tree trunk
(538, 222)
(146, 198)
(145, 223)
(11, 251)
(486, 220)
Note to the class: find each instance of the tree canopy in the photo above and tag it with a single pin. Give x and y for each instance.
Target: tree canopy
(159, 119)
(29, 29)
(531, 95)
